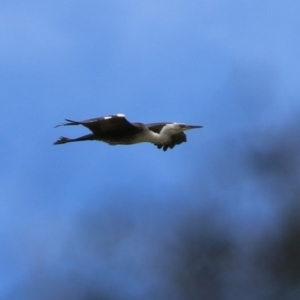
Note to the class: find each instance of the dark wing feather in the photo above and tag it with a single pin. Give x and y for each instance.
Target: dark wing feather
(157, 127)
(103, 125)
(176, 139)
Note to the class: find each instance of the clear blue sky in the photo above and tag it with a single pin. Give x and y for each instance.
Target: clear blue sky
(231, 66)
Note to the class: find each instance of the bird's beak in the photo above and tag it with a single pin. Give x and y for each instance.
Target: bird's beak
(188, 127)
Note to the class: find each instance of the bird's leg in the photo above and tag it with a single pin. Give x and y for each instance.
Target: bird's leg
(64, 140)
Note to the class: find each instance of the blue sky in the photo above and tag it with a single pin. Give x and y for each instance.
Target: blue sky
(231, 66)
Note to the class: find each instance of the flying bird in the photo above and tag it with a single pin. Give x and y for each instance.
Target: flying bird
(117, 130)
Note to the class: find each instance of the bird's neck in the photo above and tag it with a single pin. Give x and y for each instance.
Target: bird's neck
(159, 138)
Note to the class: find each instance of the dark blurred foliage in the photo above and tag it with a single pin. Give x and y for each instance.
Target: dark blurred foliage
(231, 231)
(209, 263)
(135, 250)
(278, 169)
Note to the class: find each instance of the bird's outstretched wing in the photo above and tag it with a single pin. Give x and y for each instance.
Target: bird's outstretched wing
(176, 139)
(103, 125)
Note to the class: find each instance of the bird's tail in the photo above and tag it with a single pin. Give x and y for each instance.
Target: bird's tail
(69, 122)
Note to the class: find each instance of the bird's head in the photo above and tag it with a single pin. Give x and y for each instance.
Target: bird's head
(174, 128)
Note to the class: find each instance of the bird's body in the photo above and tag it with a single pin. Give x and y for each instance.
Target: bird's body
(116, 130)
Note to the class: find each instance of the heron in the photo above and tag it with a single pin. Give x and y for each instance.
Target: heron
(117, 130)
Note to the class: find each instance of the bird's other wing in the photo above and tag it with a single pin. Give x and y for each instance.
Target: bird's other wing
(157, 127)
(103, 124)
(176, 139)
